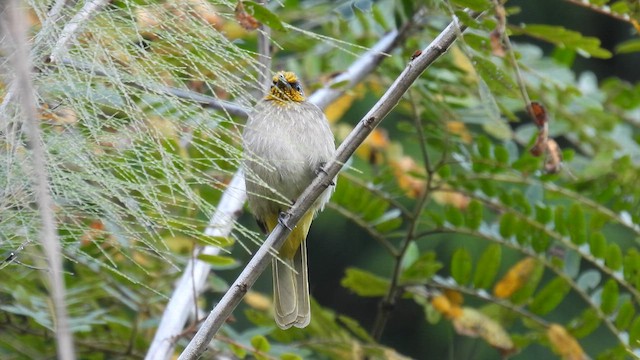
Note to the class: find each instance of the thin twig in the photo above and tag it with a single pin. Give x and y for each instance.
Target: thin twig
(366, 227)
(388, 302)
(502, 30)
(71, 28)
(202, 100)
(263, 256)
(16, 30)
(264, 56)
(164, 340)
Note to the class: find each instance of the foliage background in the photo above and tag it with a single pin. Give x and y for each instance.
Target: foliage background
(136, 173)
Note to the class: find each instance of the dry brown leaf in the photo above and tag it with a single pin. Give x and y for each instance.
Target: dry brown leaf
(553, 162)
(497, 48)
(451, 197)
(245, 19)
(473, 323)
(564, 344)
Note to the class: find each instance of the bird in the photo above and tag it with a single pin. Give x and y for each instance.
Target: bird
(287, 140)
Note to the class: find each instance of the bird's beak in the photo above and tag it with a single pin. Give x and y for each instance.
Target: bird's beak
(283, 83)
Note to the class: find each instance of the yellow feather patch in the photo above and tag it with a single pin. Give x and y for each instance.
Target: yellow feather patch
(299, 233)
(286, 88)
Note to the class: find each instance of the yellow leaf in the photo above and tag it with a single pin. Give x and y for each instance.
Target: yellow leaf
(336, 109)
(455, 297)
(372, 149)
(443, 305)
(258, 301)
(515, 278)
(460, 129)
(564, 344)
(405, 170)
(473, 323)
(450, 197)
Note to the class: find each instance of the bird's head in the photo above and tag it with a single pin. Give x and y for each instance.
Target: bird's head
(285, 88)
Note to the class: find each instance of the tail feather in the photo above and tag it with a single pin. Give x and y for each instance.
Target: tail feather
(291, 290)
(291, 277)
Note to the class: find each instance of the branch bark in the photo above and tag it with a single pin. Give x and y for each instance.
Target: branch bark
(262, 258)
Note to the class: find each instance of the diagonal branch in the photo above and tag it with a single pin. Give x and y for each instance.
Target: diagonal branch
(275, 240)
(175, 315)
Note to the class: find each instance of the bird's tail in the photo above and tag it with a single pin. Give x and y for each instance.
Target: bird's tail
(291, 279)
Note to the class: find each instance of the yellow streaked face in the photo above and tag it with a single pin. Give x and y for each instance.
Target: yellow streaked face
(286, 87)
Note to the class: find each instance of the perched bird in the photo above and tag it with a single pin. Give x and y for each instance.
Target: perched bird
(286, 140)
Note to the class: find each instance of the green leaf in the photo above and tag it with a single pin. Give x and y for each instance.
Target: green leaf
(488, 266)
(461, 266)
(507, 225)
(219, 262)
(483, 144)
(499, 82)
(629, 46)
(422, 269)
(587, 323)
(614, 256)
(598, 245)
(625, 314)
(220, 241)
(477, 5)
(543, 213)
(380, 17)
(290, 356)
(559, 222)
(410, 256)
(355, 328)
(577, 225)
(634, 331)
(540, 241)
(609, 297)
(493, 124)
(558, 35)
(550, 296)
(444, 171)
(474, 214)
(501, 154)
(238, 351)
(260, 343)
(364, 283)
(454, 216)
(389, 221)
(264, 15)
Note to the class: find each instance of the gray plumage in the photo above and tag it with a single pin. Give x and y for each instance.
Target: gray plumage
(285, 144)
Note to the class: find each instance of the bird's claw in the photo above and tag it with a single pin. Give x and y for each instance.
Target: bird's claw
(283, 218)
(321, 169)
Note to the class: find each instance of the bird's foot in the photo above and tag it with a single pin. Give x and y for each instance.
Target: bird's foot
(283, 219)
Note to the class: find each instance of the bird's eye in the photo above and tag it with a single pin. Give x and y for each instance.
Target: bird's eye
(297, 87)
